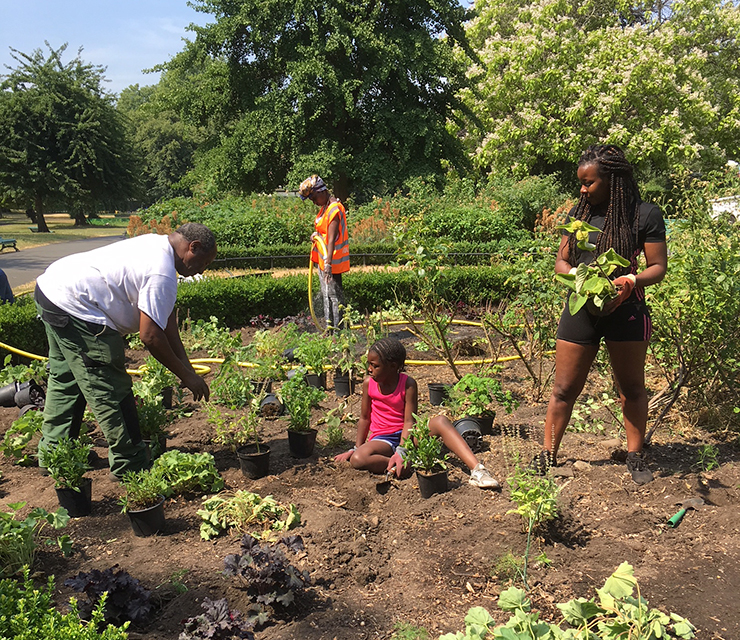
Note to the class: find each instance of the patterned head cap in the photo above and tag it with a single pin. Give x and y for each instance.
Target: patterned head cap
(314, 184)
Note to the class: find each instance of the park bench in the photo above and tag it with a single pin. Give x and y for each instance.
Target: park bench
(8, 242)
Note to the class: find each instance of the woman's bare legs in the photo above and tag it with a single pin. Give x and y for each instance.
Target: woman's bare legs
(572, 364)
(628, 363)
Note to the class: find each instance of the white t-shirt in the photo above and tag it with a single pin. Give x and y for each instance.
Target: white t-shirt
(112, 284)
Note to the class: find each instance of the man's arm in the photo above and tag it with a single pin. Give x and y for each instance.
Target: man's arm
(166, 346)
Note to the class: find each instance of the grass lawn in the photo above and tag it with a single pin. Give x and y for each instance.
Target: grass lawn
(16, 226)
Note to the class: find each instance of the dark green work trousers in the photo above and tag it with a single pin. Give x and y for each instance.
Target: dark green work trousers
(87, 367)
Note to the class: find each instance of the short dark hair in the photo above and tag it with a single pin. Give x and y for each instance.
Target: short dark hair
(390, 350)
(193, 231)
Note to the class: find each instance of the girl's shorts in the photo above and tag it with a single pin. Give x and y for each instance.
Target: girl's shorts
(393, 439)
(630, 322)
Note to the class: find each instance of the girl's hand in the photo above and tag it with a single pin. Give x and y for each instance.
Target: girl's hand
(342, 457)
(396, 461)
(625, 285)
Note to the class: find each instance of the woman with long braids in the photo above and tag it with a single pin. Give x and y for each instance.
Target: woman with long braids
(609, 200)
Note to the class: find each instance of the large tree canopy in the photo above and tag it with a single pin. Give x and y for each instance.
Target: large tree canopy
(62, 142)
(558, 75)
(359, 91)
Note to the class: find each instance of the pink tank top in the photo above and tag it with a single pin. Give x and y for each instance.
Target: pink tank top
(387, 412)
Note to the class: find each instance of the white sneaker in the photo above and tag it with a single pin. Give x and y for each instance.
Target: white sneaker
(479, 477)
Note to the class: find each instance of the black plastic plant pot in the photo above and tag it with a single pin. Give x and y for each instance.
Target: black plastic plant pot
(262, 385)
(438, 393)
(486, 424)
(77, 503)
(254, 464)
(431, 483)
(168, 394)
(7, 394)
(29, 393)
(469, 429)
(317, 380)
(301, 443)
(270, 406)
(147, 522)
(344, 385)
(29, 407)
(155, 447)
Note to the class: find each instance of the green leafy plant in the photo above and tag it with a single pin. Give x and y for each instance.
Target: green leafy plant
(234, 431)
(424, 450)
(182, 473)
(590, 281)
(708, 457)
(314, 351)
(346, 359)
(36, 370)
(246, 512)
(231, 387)
(210, 336)
(536, 500)
(29, 612)
(153, 417)
(67, 462)
(618, 614)
(19, 538)
(333, 420)
(266, 353)
(407, 631)
(142, 490)
(19, 435)
(299, 398)
(474, 395)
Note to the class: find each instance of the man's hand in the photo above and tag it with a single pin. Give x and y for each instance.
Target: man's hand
(198, 386)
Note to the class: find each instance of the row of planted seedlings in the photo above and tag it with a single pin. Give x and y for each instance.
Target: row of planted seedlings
(113, 597)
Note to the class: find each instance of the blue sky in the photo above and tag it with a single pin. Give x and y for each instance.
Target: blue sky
(125, 36)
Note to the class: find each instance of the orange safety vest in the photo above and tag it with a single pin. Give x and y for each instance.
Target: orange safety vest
(340, 258)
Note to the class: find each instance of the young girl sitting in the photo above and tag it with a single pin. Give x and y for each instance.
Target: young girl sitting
(389, 400)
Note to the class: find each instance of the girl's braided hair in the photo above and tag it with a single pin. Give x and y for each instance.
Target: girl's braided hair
(390, 350)
(622, 218)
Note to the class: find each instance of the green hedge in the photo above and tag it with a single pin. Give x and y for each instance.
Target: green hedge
(235, 300)
(20, 328)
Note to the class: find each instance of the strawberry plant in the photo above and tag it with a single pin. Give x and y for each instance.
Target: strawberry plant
(590, 282)
(19, 435)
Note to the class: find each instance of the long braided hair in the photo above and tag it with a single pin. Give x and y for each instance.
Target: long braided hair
(622, 218)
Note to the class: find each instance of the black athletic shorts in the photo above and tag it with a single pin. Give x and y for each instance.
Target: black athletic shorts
(630, 322)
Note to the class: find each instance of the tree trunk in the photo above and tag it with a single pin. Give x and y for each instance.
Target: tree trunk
(80, 219)
(40, 220)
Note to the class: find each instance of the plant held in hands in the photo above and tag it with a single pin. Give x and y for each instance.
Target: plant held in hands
(590, 282)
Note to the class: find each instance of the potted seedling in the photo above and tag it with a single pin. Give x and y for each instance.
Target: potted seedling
(253, 454)
(474, 396)
(161, 380)
(313, 352)
(153, 416)
(299, 398)
(67, 463)
(590, 283)
(424, 455)
(265, 352)
(143, 501)
(347, 364)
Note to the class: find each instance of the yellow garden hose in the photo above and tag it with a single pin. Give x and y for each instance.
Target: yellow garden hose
(321, 248)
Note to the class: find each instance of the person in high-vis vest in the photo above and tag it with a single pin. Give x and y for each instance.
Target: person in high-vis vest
(331, 227)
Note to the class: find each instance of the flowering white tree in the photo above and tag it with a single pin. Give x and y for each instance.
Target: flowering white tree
(557, 75)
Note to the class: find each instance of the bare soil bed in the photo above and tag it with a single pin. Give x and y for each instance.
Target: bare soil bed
(377, 559)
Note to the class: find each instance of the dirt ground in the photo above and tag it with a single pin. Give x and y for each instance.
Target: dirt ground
(376, 560)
